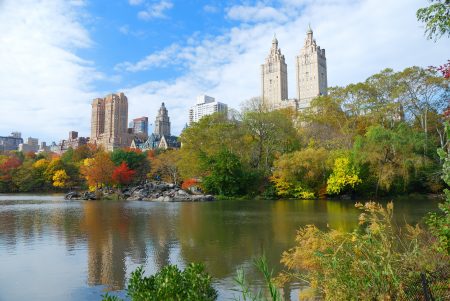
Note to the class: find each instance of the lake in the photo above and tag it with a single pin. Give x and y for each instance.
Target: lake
(53, 249)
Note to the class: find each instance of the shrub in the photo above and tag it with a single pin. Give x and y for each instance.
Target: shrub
(170, 284)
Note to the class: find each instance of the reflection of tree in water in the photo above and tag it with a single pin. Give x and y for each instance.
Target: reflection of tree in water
(161, 233)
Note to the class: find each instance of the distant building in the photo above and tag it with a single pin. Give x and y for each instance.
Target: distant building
(140, 126)
(161, 137)
(73, 142)
(109, 122)
(311, 70)
(31, 145)
(11, 142)
(274, 77)
(206, 105)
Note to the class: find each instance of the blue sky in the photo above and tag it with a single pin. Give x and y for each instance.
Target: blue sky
(57, 55)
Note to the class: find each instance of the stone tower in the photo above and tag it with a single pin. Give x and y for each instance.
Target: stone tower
(109, 121)
(311, 69)
(274, 77)
(162, 122)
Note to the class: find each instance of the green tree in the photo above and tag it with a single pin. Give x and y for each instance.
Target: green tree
(439, 223)
(225, 174)
(271, 133)
(392, 155)
(436, 18)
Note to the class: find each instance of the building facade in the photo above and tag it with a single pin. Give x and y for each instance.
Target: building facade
(109, 122)
(274, 77)
(206, 105)
(30, 145)
(140, 126)
(11, 142)
(311, 71)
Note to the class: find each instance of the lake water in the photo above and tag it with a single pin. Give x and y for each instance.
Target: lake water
(52, 249)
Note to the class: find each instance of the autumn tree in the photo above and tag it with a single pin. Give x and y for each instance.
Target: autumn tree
(122, 175)
(345, 176)
(98, 170)
(165, 166)
(60, 179)
(301, 174)
(135, 160)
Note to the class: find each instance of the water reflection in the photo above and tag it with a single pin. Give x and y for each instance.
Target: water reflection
(112, 238)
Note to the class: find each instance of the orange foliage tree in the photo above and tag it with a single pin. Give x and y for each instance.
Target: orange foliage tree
(98, 170)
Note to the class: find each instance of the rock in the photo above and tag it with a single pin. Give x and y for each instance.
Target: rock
(150, 191)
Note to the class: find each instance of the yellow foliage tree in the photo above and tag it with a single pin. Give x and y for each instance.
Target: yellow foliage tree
(344, 176)
(60, 178)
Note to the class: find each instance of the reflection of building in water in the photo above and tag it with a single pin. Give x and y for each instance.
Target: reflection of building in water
(106, 246)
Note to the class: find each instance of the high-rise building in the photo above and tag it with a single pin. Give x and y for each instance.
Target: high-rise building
(274, 77)
(109, 121)
(162, 122)
(140, 126)
(31, 145)
(311, 69)
(12, 142)
(206, 105)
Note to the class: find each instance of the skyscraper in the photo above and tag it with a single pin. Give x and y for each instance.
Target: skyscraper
(109, 121)
(311, 70)
(206, 105)
(274, 77)
(162, 122)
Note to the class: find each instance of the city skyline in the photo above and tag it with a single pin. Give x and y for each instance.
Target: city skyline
(62, 54)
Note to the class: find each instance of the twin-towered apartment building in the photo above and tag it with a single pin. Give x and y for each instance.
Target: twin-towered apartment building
(311, 75)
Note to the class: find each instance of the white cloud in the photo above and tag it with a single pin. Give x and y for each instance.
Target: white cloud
(360, 38)
(46, 87)
(156, 10)
(253, 14)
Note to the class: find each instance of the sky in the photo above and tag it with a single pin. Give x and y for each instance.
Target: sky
(58, 55)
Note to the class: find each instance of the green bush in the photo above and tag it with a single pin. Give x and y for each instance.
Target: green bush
(170, 284)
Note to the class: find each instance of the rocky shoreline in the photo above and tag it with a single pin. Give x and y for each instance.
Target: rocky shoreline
(150, 191)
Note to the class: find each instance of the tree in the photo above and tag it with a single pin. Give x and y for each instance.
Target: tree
(98, 170)
(166, 166)
(122, 175)
(271, 133)
(344, 176)
(60, 179)
(225, 174)
(7, 169)
(135, 160)
(392, 155)
(301, 174)
(436, 18)
(423, 93)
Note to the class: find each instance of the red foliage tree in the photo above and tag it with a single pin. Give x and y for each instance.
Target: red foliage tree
(189, 183)
(6, 167)
(122, 175)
